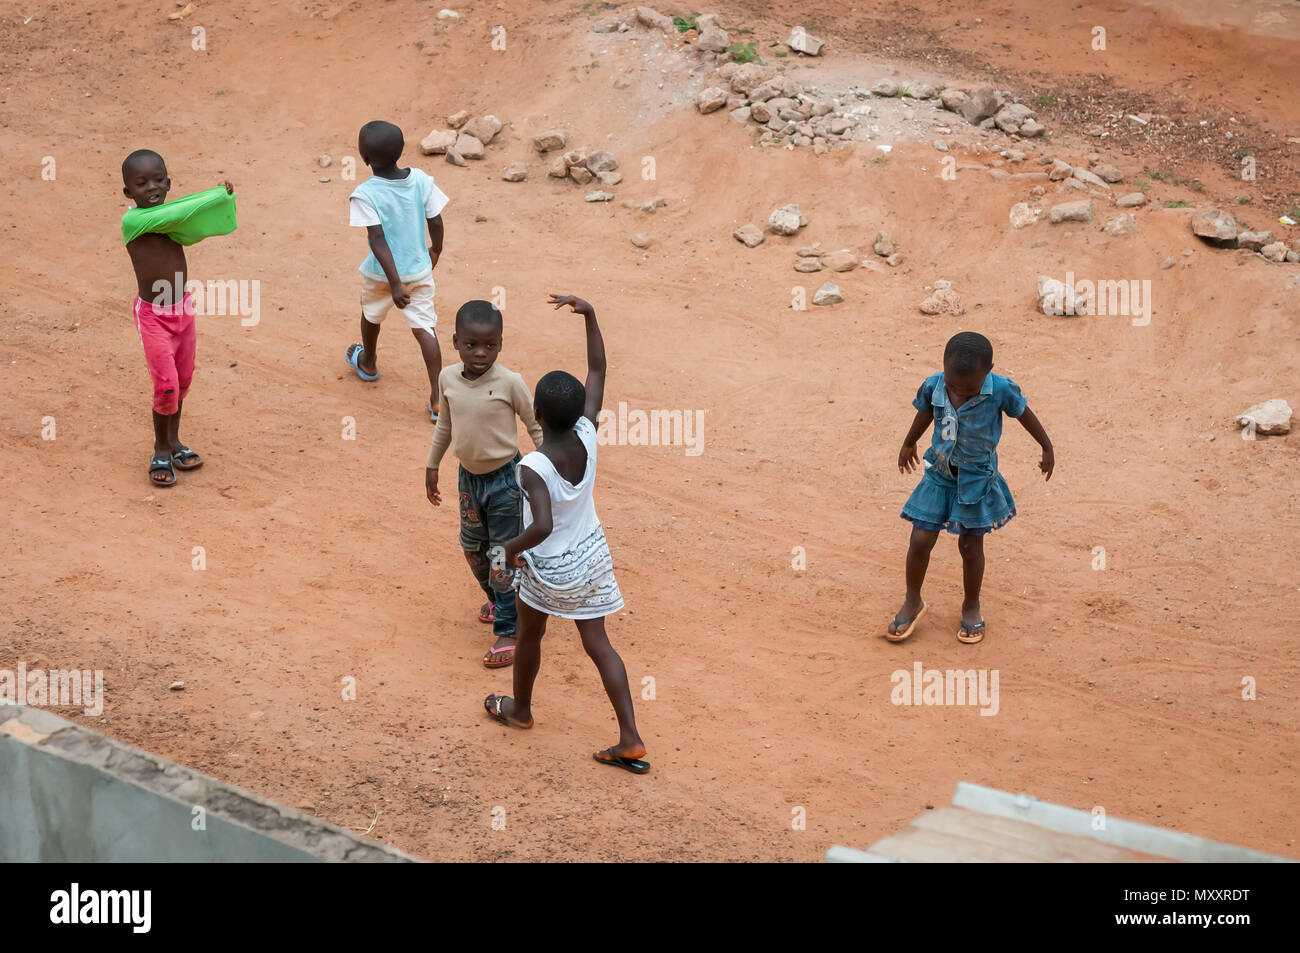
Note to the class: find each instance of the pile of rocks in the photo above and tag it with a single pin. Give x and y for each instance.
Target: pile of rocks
(990, 108)
(465, 138)
(1218, 228)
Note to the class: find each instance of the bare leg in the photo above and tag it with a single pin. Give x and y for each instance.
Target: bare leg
(614, 677)
(369, 341)
(918, 561)
(528, 661)
(162, 430)
(432, 361)
(971, 548)
(173, 428)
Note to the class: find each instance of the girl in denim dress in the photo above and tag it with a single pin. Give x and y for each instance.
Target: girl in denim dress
(961, 490)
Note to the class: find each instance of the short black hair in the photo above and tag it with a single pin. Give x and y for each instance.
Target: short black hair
(137, 156)
(969, 353)
(480, 314)
(383, 141)
(559, 400)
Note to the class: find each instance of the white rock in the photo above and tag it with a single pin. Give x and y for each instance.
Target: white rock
(711, 99)
(786, 220)
(1275, 251)
(515, 173)
(641, 241)
(602, 160)
(1272, 416)
(1132, 200)
(1080, 211)
(438, 141)
(468, 147)
(484, 128)
(712, 39)
(549, 140)
(943, 301)
(325, 161)
(749, 235)
(446, 14)
(655, 20)
(458, 119)
(842, 260)
(828, 294)
(1125, 224)
(599, 196)
(801, 41)
(1023, 214)
(1055, 297)
(1215, 226)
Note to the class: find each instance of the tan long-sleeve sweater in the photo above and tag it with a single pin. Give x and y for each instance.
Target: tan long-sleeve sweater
(476, 418)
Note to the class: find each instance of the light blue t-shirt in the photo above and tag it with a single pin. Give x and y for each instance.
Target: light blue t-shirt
(402, 207)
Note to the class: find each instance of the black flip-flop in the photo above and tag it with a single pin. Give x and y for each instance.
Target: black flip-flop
(492, 704)
(182, 457)
(161, 462)
(635, 765)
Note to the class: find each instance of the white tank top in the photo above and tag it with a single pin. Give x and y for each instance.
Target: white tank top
(573, 508)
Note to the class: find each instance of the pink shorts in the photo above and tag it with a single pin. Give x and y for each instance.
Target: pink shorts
(168, 336)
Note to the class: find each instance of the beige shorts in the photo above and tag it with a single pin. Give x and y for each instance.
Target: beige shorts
(377, 299)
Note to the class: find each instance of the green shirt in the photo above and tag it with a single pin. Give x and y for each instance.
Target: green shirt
(185, 221)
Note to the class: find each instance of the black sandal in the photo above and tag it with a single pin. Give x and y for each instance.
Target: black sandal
(162, 463)
(635, 765)
(183, 458)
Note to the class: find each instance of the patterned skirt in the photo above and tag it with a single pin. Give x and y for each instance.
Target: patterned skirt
(577, 584)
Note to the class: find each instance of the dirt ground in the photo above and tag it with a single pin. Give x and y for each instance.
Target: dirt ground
(1119, 688)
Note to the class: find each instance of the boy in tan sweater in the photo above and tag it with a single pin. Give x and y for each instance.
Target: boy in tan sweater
(478, 400)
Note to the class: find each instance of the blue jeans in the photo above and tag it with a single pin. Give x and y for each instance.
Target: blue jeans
(491, 514)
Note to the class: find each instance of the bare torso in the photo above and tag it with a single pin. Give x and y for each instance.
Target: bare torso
(160, 272)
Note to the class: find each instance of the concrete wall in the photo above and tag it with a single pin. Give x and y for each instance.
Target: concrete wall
(69, 794)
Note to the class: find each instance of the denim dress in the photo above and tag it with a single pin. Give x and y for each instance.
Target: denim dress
(961, 490)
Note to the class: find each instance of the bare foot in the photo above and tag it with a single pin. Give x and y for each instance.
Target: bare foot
(502, 708)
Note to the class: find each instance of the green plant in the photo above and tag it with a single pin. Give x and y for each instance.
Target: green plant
(1153, 173)
(1142, 185)
(781, 53)
(903, 94)
(880, 160)
(221, 92)
(1047, 100)
(1180, 203)
(685, 23)
(1243, 199)
(1241, 153)
(745, 52)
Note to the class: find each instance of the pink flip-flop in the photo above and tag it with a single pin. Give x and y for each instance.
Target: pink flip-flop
(488, 613)
(490, 660)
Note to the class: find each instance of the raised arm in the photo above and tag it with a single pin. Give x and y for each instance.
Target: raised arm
(595, 353)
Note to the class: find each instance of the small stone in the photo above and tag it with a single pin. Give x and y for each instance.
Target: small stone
(711, 99)
(641, 241)
(1038, 191)
(484, 129)
(943, 301)
(894, 260)
(801, 41)
(446, 14)
(468, 147)
(885, 88)
(883, 246)
(786, 220)
(655, 20)
(1032, 128)
(458, 119)
(742, 114)
(1253, 240)
(842, 260)
(1275, 251)
(750, 235)
(602, 160)
(548, 141)
(558, 169)
(1270, 417)
(1132, 200)
(939, 145)
(177, 686)
(1080, 211)
(1109, 173)
(323, 178)
(438, 142)
(599, 196)
(810, 251)
(1083, 175)
(808, 264)
(1023, 214)
(1125, 224)
(1060, 171)
(480, 217)
(1216, 227)
(827, 294)
(609, 178)
(1166, 264)
(454, 158)
(580, 174)
(515, 173)
(325, 161)
(712, 39)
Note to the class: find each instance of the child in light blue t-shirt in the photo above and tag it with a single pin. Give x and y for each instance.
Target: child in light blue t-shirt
(395, 206)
